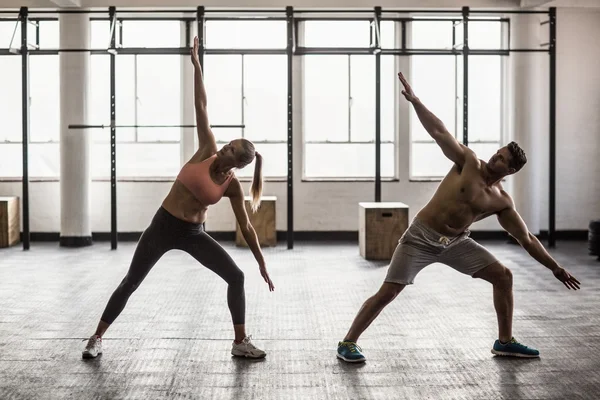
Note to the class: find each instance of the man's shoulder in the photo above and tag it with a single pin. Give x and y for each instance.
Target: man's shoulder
(505, 199)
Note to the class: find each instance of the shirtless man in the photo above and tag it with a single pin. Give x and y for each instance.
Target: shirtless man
(470, 192)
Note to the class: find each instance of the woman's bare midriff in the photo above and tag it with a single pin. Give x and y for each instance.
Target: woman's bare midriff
(182, 204)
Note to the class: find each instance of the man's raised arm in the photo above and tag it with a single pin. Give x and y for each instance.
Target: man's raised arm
(452, 149)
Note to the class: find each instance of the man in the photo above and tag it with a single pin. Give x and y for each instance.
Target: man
(439, 232)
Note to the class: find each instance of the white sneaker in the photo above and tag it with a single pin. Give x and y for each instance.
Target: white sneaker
(93, 347)
(247, 349)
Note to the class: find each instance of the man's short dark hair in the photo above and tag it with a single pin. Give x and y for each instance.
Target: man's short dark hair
(517, 156)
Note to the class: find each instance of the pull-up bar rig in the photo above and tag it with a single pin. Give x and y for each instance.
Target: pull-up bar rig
(292, 17)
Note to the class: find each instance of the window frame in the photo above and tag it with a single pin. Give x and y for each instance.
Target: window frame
(504, 38)
(300, 31)
(242, 53)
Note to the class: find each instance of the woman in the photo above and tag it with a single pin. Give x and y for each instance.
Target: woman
(178, 224)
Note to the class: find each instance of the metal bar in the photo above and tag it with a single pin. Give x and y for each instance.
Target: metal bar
(243, 94)
(333, 50)
(67, 11)
(301, 51)
(349, 71)
(82, 126)
(113, 134)
(37, 35)
(255, 18)
(23, 15)
(507, 12)
(350, 142)
(403, 28)
(334, 19)
(246, 51)
(471, 142)
(247, 11)
(200, 27)
(465, 11)
(350, 11)
(377, 108)
(290, 138)
(552, 183)
(545, 22)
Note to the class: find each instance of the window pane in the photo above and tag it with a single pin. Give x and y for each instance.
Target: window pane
(10, 99)
(44, 91)
(137, 160)
(49, 35)
(388, 98)
(265, 91)
(223, 81)
(387, 32)
(226, 135)
(6, 34)
(431, 34)
(340, 160)
(151, 34)
(11, 156)
(159, 96)
(485, 35)
(100, 34)
(362, 95)
(428, 160)
(326, 98)
(485, 94)
(274, 160)
(44, 160)
(246, 34)
(337, 34)
(433, 80)
(485, 150)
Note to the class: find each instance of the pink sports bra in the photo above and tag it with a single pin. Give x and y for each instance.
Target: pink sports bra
(196, 178)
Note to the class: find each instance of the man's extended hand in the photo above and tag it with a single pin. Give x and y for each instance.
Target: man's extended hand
(407, 92)
(566, 278)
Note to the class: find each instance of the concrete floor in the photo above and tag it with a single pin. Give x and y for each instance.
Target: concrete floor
(173, 340)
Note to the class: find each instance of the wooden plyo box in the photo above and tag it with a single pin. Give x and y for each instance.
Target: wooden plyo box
(263, 222)
(10, 221)
(380, 226)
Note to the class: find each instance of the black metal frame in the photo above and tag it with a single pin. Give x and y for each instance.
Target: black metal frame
(23, 16)
(292, 17)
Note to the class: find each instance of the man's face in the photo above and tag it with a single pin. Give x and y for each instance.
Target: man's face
(499, 163)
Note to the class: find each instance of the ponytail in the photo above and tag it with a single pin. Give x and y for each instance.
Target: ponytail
(257, 183)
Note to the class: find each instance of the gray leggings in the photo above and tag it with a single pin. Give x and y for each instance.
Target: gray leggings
(165, 233)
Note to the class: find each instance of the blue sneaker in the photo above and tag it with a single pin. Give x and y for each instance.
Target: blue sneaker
(350, 352)
(514, 349)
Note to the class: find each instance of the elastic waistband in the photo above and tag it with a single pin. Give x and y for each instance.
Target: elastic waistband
(430, 231)
(165, 216)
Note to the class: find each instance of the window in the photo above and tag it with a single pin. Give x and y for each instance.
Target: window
(249, 90)
(246, 35)
(148, 92)
(44, 100)
(438, 81)
(339, 103)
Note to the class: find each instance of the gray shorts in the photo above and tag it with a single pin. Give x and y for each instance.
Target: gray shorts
(421, 246)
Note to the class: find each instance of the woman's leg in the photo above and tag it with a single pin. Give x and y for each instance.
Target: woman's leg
(214, 257)
(149, 250)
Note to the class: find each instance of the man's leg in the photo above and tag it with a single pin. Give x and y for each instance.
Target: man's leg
(501, 279)
(412, 254)
(372, 308)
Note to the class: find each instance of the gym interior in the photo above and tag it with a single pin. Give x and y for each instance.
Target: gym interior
(98, 117)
